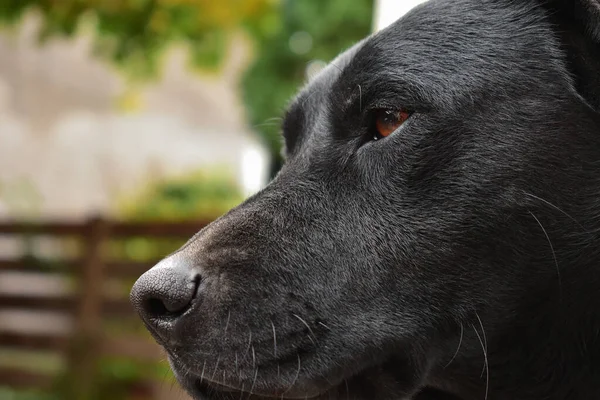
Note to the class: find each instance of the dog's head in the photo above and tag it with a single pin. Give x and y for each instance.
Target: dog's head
(428, 169)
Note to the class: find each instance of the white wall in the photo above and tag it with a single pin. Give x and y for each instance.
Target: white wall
(388, 11)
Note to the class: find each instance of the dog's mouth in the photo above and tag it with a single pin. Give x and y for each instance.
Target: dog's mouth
(209, 387)
(362, 384)
(203, 389)
(299, 372)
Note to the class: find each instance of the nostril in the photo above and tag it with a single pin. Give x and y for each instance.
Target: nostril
(172, 306)
(197, 281)
(156, 308)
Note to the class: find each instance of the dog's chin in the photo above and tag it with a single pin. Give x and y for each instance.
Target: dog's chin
(201, 388)
(373, 382)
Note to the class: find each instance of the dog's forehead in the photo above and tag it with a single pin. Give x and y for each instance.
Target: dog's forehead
(311, 94)
(442, 55)
(445, 46)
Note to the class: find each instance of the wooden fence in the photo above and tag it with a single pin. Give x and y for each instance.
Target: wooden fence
(88, 305)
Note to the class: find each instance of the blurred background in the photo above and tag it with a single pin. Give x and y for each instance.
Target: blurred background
(126, 126)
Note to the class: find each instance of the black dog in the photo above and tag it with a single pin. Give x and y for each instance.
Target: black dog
(434, 233)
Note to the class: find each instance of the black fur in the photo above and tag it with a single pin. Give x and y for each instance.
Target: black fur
(457, 258)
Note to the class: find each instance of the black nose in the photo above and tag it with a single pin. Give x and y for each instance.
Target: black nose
(165, 292)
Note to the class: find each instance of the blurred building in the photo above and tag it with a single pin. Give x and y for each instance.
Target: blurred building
(67, 150)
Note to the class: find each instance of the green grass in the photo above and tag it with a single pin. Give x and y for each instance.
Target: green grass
(12, 394)
(32, 361)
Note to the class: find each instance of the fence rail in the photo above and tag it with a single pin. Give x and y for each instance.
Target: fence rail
(116, 229)
(88, 305)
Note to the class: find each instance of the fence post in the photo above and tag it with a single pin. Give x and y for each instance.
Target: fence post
(85, 351)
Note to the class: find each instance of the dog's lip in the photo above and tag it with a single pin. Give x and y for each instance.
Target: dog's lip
(209, 388)
(203, 385)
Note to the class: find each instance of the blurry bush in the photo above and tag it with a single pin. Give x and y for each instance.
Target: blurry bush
(10, 394)
(198, 196)
(310, 33)
(117, 379)
(290, 36)
(135, 33)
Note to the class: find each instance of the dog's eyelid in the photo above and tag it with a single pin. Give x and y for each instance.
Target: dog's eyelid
(394, 100)
(382, 105)
(386, 122)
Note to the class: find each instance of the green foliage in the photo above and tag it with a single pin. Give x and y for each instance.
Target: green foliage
(31, 394)
(277, 72)
(135, 33)
(199, 196)
(117, 378)
(120, 377)
(113, 368)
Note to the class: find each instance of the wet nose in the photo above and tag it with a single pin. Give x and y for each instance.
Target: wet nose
(165, 292)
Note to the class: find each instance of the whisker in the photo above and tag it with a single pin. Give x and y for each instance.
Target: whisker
(274, 340)
(164, 379)
(216, 367)
(482, 330)
(249, 345)
(347, 389)
(254, 381)
(458, 348)
(253, 357)
(484, 341)
(359, 98)
(486, 365)
(242, 393)
(227, 323)
(170, 380)
(309, 329)
(270, 122)
(237, 368)
(266, 124)
(295, 378)
(308, 97)
(555, 207)
(553, 253)
(335, 66)
(323, 325)
(274, 119)
(202, 374)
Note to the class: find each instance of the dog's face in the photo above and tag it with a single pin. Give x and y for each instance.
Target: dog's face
(422, 167)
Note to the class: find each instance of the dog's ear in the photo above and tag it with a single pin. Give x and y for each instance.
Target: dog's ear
(583, 15)
(577, 24)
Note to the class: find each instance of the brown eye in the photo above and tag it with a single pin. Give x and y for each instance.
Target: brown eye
(387, 121)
